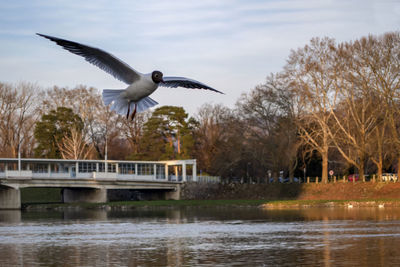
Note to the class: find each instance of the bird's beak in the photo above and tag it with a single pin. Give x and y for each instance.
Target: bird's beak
(162, 80)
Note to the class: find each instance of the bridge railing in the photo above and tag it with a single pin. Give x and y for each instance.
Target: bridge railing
(81, 175)
(205, 179)
(104, 176)
(22, 174)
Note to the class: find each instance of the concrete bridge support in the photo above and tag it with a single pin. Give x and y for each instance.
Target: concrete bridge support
(173, 194)
(90, 195)
(10, 198)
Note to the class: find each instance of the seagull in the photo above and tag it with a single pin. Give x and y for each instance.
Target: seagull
(140, 86)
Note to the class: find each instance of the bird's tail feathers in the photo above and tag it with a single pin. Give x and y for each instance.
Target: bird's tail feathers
(110, 95)
(145, 104)
(120, 104)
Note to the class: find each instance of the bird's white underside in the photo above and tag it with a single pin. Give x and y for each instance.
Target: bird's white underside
(140, 89)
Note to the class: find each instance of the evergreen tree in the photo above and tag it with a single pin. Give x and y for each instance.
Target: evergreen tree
(167, 135)
(52, 128)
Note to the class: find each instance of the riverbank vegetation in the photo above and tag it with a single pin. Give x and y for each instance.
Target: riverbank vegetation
(333, 106)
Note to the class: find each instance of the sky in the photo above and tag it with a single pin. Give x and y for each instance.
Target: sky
(230, 45)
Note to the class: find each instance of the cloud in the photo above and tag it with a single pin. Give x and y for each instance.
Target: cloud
(230, 44)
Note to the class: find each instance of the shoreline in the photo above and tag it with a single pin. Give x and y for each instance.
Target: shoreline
(131, 205)
(262, 204)
(321, 203)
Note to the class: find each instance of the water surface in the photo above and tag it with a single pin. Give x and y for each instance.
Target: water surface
(202, 236)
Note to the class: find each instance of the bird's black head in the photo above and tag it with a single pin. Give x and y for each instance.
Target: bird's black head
(157, 76)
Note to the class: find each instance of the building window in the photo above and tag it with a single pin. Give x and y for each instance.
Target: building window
(126, 168)
(87, 167)
(60, 168)
(160, 171)
(40, 168)
(145, 169)
(110, 166)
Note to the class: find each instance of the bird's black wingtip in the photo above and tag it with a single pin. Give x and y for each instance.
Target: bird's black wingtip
(215, 90)
(46, 36)
(43, 35)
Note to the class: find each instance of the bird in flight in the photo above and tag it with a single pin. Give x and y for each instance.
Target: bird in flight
(136, 96)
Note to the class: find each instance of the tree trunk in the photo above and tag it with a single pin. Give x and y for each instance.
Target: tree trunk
(325, 167)
(379, 171)
(179, 145)
(361, 171)
(398, 168)
(291, 171)
(275, 176)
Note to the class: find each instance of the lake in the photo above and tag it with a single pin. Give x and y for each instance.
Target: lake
(202, 236)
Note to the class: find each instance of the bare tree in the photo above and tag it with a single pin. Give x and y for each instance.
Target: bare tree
(133, 130)
(381, 56)
(312, 71)
(367, 83)
(356, 117)
(232, 158)
(269, 113)
(379, 145)
(18, 113)
(73, 146)
(210, 135)
(355, 128)
(108, 131)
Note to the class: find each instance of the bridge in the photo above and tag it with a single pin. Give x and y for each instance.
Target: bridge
(89, 180)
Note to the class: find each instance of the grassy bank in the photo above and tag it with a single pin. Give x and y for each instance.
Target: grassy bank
(311, 191)
(41, 195)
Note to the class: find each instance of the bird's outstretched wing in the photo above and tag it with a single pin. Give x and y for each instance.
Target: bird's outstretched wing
(185, 82)
(105, 61)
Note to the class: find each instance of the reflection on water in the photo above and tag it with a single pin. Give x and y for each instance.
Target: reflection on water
(217, 236)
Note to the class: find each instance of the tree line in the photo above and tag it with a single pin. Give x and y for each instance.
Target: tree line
(332, 106)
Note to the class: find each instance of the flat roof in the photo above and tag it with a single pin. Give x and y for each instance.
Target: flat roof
(43, 160)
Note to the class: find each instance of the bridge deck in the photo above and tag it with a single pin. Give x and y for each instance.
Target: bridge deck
(95, 173)
(89, 180)
(87, 183)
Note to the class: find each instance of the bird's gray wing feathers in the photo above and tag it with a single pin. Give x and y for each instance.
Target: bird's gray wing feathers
(105, 61)
(185, 82)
